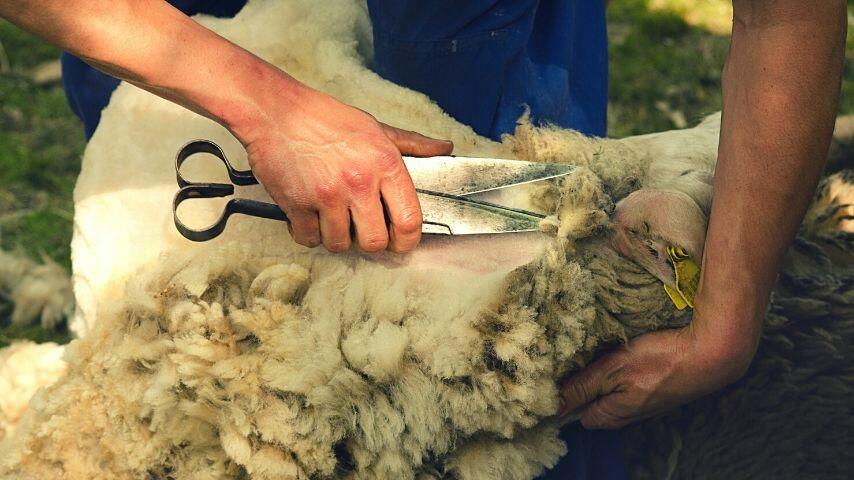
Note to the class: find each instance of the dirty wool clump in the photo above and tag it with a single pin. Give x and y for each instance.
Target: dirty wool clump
(24, 368)
(33, 292)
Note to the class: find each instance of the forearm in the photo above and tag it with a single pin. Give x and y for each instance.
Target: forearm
(781, 85)
(153, 45)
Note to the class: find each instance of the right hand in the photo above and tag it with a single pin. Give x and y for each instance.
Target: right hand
(327, 165)
(330, 166)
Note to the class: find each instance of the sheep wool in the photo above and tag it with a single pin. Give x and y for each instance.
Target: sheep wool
(791, 415)
(24, 368)
(34, 292)
(251, 357)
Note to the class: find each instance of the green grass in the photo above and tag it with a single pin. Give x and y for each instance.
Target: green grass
(40, 147)
(11, 333)
(666, 60)
(41, 143)
(664, 72)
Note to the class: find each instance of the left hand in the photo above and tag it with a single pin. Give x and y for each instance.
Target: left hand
(653, 373)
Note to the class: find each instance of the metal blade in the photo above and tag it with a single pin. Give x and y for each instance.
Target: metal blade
(447, 215)
(468, 175)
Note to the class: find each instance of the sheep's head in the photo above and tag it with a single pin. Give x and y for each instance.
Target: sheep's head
(648, 221)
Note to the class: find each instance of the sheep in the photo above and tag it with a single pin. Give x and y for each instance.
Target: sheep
(253, 357)
(241, 361)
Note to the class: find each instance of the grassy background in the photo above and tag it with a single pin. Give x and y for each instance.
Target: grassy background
(666, 59)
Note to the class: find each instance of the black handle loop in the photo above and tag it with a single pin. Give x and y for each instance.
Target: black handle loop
(190, 190)
(237, 177)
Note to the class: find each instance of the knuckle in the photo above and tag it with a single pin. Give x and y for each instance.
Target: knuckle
(613, 422)
(403, 246)
(576, 392)
(595, 417)
(327, 194)
(358, 181)
(337, 246)
(409, 220)
(388, 160)
(302, 231)
(634, 386)
(309, 241)
(374, 243)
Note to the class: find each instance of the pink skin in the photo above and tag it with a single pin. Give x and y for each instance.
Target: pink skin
(647, 221)
(478, 254)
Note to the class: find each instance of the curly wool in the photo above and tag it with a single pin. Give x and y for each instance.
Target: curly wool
(251, 357)
(197, 377)
(242, 363)
(24, 368)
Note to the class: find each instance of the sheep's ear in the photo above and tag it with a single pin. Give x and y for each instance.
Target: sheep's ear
(669, 274)
(686, 226)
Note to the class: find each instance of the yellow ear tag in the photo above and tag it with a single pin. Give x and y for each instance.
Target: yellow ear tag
(675, 297)
(687, 275)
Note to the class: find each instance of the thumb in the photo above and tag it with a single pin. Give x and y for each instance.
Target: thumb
(415, 144)
(586, 386)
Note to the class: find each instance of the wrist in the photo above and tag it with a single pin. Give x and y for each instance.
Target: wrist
(262, 94)
(727, 323)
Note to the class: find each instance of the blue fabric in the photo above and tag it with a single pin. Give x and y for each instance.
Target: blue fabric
(88, 90)
(591, 455)
(485, 61)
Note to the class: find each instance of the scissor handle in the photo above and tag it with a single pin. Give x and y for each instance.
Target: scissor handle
(236, 205)
(237, 177)
(191, 190)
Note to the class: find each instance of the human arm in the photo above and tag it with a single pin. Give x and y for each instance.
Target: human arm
(780, 89)
(325, 163)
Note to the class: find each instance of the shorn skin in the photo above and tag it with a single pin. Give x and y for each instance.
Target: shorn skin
(251, 357)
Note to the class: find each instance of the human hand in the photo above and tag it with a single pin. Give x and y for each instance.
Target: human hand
(653, 373)
(330, 166)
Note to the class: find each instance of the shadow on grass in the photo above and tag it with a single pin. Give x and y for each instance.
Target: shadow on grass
(666, 73)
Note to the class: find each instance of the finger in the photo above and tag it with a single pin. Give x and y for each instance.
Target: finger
(587, 385)
(335, 229)
(304, 227)
(404, 211)
(412, 143)
(372, 233)
(604, 413)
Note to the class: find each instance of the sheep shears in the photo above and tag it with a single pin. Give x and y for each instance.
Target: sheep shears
(448, 188)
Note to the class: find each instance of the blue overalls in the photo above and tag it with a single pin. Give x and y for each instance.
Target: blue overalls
(484, 62)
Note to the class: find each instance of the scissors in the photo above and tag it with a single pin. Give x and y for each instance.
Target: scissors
(445, 187)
